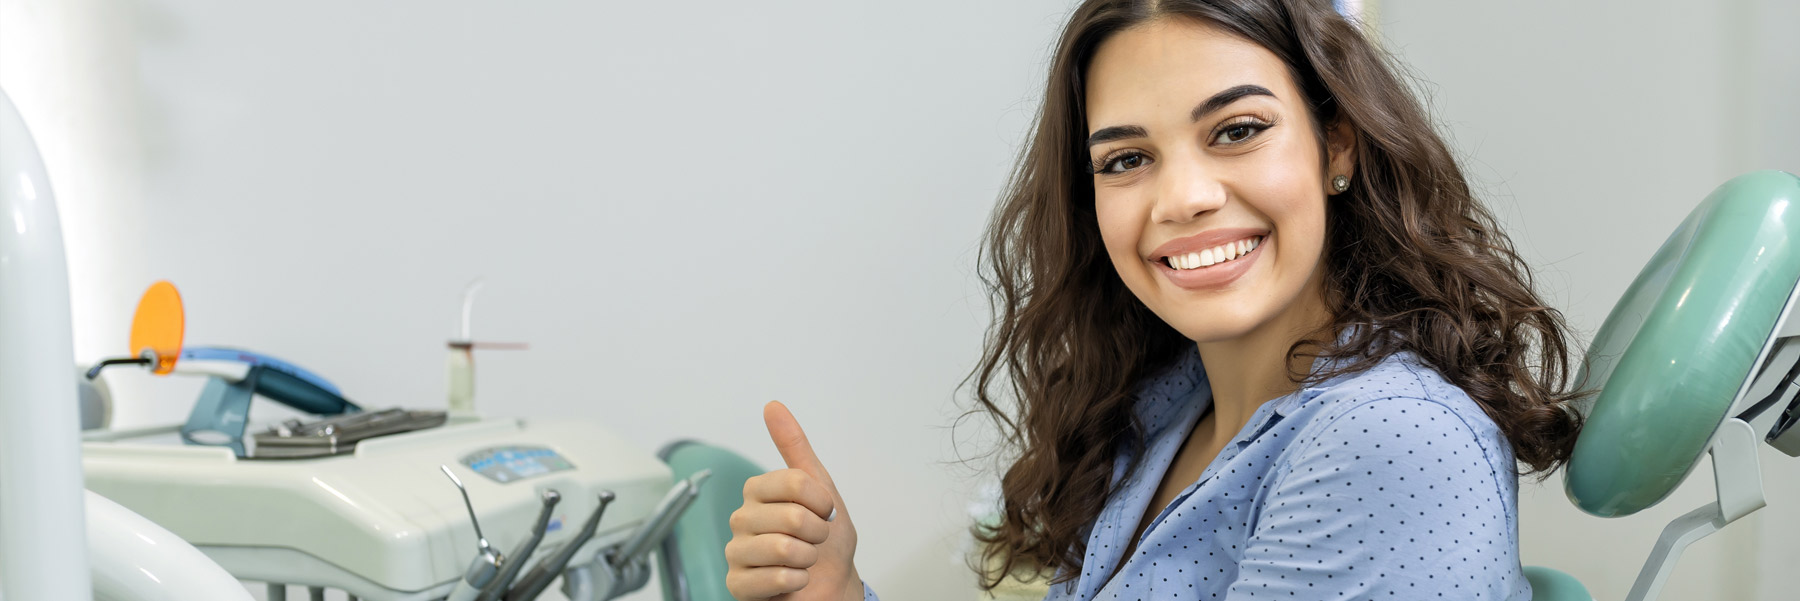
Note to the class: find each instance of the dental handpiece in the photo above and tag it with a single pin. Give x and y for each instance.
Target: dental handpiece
(534, 582)
(480, 573)
(516, 560)
(487, 561)
(667, 512)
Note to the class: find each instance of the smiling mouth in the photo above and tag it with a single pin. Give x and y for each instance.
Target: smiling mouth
(1223, 253)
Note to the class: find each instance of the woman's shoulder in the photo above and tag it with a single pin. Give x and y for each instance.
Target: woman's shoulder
(1405, 406)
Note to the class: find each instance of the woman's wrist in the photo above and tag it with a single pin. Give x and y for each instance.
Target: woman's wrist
(853, 586)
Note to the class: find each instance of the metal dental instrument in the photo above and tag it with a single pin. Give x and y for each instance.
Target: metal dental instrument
(479, 539)
(625, 567)
(487, 561)
(665, 515)
(534, 582)
(148, 359)
(494, 590)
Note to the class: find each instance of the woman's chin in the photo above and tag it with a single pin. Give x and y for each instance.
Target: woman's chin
(1214, 331)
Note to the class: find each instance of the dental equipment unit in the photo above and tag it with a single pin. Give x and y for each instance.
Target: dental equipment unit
(355, 500)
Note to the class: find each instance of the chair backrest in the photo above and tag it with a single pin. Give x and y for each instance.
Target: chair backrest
(1679, 348)
(693, 556)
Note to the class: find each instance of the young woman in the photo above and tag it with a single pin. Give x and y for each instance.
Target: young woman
(1262, 340)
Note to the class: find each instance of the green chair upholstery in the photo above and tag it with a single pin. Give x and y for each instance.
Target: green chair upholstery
(1551, 585)
(1680, 349)
(692, 560)
(1672, 356)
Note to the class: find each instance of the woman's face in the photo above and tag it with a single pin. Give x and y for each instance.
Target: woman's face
(1209, 183)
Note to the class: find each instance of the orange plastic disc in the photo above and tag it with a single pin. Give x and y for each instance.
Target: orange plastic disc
(158, 326)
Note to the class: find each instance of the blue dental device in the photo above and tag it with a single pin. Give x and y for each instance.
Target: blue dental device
(234, 377)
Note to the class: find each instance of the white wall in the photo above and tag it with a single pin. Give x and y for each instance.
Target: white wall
(686, 209)
(1593, 128)
(691, 208)
(69, 67)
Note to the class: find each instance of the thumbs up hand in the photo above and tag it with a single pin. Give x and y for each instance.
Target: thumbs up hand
(792, 540)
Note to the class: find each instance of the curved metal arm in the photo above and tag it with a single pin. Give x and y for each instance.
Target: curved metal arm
(94, 372)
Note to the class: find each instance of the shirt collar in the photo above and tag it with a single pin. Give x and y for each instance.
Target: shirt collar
(1162, 397)
(1287, 405)
(1184, 382)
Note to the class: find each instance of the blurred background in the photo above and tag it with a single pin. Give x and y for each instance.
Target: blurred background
(689, 209)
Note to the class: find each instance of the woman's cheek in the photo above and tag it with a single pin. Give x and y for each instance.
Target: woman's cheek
(1117, 231)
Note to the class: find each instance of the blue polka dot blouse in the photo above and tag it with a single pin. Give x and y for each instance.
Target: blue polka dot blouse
(1385, 484)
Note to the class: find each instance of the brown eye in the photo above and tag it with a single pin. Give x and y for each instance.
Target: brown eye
(1125, 163)
(1238, 133)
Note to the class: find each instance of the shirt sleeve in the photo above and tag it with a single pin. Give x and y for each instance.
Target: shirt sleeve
(1393, 499)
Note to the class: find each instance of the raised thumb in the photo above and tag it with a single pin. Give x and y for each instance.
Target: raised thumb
(791, 441)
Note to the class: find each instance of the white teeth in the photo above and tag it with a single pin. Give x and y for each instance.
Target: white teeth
(1214, 256)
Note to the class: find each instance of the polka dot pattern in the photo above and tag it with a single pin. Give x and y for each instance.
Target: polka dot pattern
(1386, 484)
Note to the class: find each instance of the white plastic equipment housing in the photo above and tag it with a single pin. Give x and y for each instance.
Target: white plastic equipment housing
(136, 559)
(40, 446)
(381, 523)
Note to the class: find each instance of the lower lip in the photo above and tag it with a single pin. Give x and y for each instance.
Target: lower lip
(1218, 274)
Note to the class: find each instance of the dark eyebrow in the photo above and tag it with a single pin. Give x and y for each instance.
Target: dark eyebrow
(1116, 132)
(1221, 99)
(1216, 102)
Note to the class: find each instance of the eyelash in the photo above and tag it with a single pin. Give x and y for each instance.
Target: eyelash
(1102, 167)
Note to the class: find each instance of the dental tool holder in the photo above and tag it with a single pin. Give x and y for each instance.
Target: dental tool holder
(615, 570)
(380, 522)
(223, 409)
(338, 435)
(625, 568)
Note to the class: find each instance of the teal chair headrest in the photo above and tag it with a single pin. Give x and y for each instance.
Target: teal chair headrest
(1679, 347)
(693, 557)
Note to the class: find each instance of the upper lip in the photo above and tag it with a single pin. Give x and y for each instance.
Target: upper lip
(1204, 240)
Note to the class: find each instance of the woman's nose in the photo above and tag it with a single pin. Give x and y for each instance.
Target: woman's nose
(1185, 191)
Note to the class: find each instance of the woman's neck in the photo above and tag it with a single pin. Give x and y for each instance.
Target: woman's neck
(1253, 369)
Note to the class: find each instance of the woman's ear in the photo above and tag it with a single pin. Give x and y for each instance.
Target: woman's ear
(1340, 149)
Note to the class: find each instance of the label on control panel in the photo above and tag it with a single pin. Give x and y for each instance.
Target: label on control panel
(512, 463)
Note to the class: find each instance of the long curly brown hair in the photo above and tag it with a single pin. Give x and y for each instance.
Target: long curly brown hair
(1413, 262)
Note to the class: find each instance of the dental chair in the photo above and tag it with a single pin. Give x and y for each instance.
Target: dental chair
(692, 561)
(1698, 357)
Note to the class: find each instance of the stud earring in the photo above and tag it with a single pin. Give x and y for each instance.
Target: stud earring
(1340, 183)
